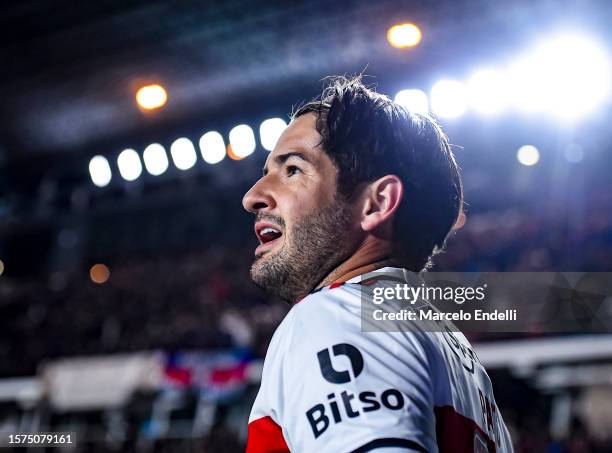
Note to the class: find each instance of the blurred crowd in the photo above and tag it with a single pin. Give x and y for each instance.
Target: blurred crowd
(200, 299)
(541, 237)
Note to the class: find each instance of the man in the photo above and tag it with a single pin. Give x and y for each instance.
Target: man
(360, 190)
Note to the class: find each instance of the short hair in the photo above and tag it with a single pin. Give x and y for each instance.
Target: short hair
(367, 136)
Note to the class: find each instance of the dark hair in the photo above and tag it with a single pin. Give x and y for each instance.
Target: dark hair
(367, 136)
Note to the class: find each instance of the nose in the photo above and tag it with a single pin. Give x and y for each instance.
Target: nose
(258, 198)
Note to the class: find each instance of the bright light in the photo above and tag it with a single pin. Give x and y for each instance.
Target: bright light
(525, 85)
(129, 165)
(183, 153)
(448, 98)
(100, 171)
(212, 147)
(151, 97)
(269, 132)
(1, 267)
(404, 35)
(568, 75)
(231, 154)
(573, 153)
(528, 155)
(99, 273)
(413, 100)
(242, 140)
(155, 159)
(488, 91)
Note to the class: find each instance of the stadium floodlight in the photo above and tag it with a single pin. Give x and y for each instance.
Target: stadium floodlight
(183, 153)
(100, 171)
(413, 100)
(242, 141)
(151, 97)
(568, 75)
(528, 155)
(525, 92)
(487, 91)
(448, 98)
(269, 132)
(404, 35)
(155, 159)
(129, 164)
(212, 147)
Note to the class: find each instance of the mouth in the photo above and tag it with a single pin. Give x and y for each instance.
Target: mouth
(268, 235)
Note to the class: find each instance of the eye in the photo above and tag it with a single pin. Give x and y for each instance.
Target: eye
(292, 170)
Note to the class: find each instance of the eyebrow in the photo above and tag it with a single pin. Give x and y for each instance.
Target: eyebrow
(282, 158)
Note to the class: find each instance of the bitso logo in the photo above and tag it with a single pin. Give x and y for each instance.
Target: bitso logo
(327, 368)
(341, 404)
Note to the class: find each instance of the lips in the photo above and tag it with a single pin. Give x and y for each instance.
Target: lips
(268, 235)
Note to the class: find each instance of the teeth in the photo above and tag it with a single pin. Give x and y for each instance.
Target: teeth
(268, 230)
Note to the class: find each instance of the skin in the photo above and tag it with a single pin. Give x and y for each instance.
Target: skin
(325, 239)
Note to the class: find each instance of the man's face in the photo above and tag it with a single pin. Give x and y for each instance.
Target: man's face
(304, 229)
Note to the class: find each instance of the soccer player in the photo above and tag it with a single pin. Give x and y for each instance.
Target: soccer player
(358, 189)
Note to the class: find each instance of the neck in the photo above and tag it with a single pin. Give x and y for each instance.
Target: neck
(370, 256)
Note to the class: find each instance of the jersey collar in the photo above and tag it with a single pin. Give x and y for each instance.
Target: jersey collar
(369, 278)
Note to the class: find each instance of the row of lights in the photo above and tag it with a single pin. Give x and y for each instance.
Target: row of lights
(242, 144)
(567, 75)
(183, 152)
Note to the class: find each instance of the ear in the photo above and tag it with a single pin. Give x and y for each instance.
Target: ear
(383, 197)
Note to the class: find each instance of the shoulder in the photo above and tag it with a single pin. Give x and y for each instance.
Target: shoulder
(329, 314)
(329, 322)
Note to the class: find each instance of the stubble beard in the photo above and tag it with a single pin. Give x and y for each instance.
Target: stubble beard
(314, 247)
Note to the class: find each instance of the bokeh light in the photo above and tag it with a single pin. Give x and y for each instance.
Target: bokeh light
(487, 91)
(183, 153)
(404, 35)
(269, 132)
(155, 159)
(100, 171)
(528, 155)
(99, 273)
(413, 100)
(231, 154)
(242, 140)
(568, 75)
(151, 97)
(129, 164)
(212, 147)
(448, 98)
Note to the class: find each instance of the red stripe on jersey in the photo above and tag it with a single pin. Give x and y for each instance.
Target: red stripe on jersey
(265, 436)
(336, 285)
(458, 434)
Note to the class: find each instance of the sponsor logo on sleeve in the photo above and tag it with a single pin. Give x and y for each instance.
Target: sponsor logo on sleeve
(327, 368)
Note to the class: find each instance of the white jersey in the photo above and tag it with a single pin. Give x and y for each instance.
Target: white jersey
(329, 387)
